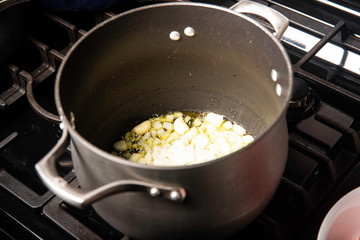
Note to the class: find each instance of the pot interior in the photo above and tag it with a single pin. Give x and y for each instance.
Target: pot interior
(129, 68)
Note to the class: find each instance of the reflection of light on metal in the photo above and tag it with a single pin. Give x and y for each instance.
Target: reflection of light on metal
(299, 39)
(333, 54)
(330, 52)
(301, 13)
(342, 8)
(352, 62)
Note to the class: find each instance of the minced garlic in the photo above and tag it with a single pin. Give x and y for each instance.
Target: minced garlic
(179, 138)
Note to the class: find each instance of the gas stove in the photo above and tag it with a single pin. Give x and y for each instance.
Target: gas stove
(323, 42)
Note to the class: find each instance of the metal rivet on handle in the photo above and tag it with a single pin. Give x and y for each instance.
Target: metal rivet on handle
(189, 31)
(274, 75)
(175, 35)
(154, 192)
(175, 196)
(278, 89)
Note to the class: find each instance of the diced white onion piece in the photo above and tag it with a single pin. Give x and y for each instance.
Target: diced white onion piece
(142, 160)
(135, 157)
(197, 122)
(215, 119)
(148, 149)
(201, 141)
(161, 132)
(187, 137)
(168, 126)
(156, 141)
(178, 114)
(141, 142)
(224, 149)
(181, 154)
(148, 157)
(153, 133)
(121, 146)
(227, 125)
(209, 128)
(170, 117)
(128, 136)
(173, 136)
(180, 126)
(142, 127)
(247, 139)
(156, 125)
(146, 136)
(239, 129)
(231, 136)
(127, 155)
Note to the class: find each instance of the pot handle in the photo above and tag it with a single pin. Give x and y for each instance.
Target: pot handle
(277, 20)
(80, 198)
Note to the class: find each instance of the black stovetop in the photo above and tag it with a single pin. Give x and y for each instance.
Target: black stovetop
(323, 160)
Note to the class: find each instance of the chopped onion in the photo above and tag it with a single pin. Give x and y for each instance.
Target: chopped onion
(181, 139)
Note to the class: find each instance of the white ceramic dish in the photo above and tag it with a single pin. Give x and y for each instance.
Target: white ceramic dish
(343, 219)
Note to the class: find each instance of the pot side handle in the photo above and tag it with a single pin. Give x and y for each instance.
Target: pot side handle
(80, 198)
(277, 20)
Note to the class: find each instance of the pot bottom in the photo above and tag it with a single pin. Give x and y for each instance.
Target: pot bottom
(223, 231)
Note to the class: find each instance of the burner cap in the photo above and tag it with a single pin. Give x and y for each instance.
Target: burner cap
(303, 102)
(300, 93)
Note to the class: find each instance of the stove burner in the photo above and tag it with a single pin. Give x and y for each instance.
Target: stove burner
(303, 103)
(300, 97)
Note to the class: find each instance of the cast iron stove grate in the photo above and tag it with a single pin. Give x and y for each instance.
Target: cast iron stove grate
(323, 137)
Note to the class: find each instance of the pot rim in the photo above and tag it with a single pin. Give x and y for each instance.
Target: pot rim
(74, 134)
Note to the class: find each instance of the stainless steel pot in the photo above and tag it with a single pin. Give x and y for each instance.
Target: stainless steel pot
(141, 62)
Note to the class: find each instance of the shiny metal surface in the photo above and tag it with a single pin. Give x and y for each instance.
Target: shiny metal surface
(217, 70)
(277, 20)
(340, 7)
(331, 52)
(46, 168)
